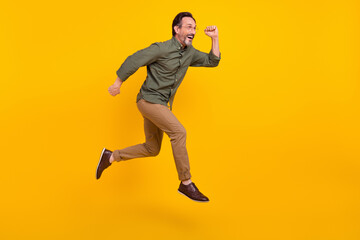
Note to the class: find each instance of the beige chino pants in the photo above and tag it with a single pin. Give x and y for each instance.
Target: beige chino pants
(157, 120)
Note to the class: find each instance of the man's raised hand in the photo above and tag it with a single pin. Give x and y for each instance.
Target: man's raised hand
(211, 31)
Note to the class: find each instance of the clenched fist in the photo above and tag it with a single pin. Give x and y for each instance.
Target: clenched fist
(115, 88)
(211, 31)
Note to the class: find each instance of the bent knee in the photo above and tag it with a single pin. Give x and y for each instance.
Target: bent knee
(153, 150)
(181, 132)
(154, 153)
(178, 134)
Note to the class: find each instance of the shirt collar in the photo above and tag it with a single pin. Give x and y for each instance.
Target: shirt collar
(178, 45)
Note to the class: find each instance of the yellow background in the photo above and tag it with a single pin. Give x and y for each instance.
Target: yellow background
(273, 131)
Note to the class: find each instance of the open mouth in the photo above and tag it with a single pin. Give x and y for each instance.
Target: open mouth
(191, 37)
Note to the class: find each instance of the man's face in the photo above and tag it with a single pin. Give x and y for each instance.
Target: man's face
(186, 33)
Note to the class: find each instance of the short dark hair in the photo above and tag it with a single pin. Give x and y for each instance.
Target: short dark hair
(178, 19)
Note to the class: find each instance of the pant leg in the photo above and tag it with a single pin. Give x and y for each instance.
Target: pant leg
(151, 147)
(165, 120)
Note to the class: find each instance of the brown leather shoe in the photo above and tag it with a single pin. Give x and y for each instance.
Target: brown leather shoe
(104, 162)
(192, 192)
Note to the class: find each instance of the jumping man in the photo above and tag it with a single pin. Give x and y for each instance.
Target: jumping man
(167, 63)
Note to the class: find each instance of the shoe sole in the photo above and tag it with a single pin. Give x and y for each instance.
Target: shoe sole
(192, 199)
(97, 169)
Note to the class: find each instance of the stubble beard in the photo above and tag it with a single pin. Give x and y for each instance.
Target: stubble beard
(187, 41)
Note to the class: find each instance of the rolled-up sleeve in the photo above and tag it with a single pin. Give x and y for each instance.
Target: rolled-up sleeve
(201, 59)
(141, 58)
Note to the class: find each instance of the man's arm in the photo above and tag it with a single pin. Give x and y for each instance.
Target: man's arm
(201, 59)
(132, 63)
(212, 32)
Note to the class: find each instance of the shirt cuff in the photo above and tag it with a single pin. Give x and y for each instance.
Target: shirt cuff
(214, 57)
(121, 75)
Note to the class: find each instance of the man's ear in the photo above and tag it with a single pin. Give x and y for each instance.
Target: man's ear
(177, 29)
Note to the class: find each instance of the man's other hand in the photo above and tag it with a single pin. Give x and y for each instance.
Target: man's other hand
(115, 88)
(211, 31)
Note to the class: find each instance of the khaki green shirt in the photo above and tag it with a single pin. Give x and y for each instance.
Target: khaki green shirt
(167, 63)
